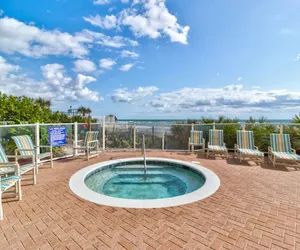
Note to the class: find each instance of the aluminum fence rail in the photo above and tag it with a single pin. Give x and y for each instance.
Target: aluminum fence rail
(128, 136)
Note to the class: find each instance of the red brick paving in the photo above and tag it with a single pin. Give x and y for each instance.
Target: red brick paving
(255, 208)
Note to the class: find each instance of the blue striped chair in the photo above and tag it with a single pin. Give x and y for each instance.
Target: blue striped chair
(281, 152)
(216, 145)
(27, 149)
(7, 168)
(10, 181)
(245, 149)
(196, 139)
(89, 146)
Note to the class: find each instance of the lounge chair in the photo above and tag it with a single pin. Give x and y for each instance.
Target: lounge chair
(26, 149)
(281, 152)
(7, 168)
(196, 139)
(10, 185)
(89, 146)
(245, 149)
(216, 145)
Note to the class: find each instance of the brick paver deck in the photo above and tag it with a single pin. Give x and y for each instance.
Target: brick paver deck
(255, 208)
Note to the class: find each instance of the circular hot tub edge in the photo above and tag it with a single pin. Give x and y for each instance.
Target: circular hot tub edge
(78, 187)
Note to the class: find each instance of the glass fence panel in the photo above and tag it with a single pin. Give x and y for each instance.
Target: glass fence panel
(153, 135)
(262, 133)
(6, 132)
(119, 136)
(177, 136)
(61, 150)
(230, 134)
(294, 131)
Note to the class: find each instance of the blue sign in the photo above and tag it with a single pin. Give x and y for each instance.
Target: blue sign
(57, 136)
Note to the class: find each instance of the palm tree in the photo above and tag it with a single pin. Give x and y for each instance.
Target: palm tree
(296, 118)
(43, 103)
(84, 110)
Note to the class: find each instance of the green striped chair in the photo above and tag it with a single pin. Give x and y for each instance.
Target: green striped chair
(281, 152)
(10, 183)
(7, 168)
(89, 146)
(196, 139)
(27, 149)
(216, 145)
(245, 149)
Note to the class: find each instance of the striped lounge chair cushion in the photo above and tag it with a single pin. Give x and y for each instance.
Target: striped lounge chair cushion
(23, 169)
(217, 148)
(24, 142)
(216, 137)
(286, 156)
(196, 137)
(3, 157)
(246, 151)
(281, 143)
(7, 182)
(90, 136)
(245, 139)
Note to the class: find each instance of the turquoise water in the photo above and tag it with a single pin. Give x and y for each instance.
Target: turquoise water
(130, 182)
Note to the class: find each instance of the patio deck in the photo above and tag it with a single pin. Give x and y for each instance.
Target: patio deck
(255, 208)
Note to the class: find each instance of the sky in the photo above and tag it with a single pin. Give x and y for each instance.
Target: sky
(154, 59)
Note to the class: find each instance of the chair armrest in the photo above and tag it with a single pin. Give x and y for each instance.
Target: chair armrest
(45, 146)
(224, 144)
(256, 148)
(270, 149)
(7, 164)
(236, 146)
(89, 142)
(293, 151)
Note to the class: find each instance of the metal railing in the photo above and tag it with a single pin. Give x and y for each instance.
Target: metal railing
(155, 136)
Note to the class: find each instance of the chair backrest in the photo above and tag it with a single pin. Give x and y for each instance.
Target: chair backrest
(90, 136)
(3, 157)
(196, 137)
(216, 137)
(245, 139)
(24, 142)
(281, 142)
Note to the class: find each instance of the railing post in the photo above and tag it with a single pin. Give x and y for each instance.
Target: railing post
(75, 136)
(103, 134)
(134, 137)
(163, 137)
(281, 128)
(37, 142)
(193, 148)
(214, 126)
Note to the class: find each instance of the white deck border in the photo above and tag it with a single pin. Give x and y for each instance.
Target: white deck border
(78, 186)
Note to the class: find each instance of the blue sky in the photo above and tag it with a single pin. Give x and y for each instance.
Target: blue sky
(154, 58)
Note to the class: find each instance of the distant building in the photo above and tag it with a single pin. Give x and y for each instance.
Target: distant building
(110, 119)
(72, 112)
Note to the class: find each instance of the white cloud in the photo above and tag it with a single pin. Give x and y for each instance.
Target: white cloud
(239, 78)
(100, 38)
(228, 99)
(107, 22)
(28, 40)
(297, 57)
(101, 2)
(131, 54)
(54, 84)
(84, 66)
(126, 67)
(124, 95)
(154, 20)
(145, 18)
(107, 63)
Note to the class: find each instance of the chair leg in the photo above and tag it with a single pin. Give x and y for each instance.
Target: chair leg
(34, 176)
(19, 190)
(274, 162)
